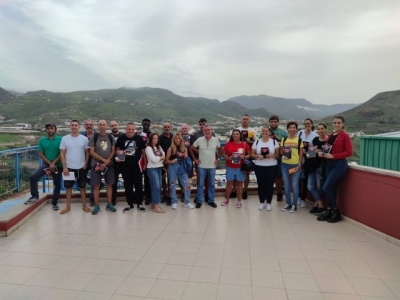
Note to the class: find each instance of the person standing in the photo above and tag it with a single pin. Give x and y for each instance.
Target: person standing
(336, 167)
(102, 151)
(49, 152)
(188, 140)
(235, 152)
(307, 135)
(292, 157)
(265, 152)
(316, 173)
(278, 134)
(175, 158)
(249, 136)
(195, 154)
(144, 134)
(74, 155)
(130, 147)
(209, 154)
(155, 161)
(165, 143)
(116, 134)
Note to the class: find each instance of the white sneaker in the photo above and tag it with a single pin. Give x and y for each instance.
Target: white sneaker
(174, 206)
(261, 206)
(293, 209)
(303, 203)
(189, 205)
(269, 207)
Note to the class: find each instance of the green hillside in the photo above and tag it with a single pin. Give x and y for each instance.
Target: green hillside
(40, 107)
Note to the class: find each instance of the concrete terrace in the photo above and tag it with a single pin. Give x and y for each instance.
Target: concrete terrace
(224, 253)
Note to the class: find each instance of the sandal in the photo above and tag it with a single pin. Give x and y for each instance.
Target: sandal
(65, 210)
(87, 209)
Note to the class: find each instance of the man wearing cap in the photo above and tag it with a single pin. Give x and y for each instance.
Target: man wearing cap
(49, 152)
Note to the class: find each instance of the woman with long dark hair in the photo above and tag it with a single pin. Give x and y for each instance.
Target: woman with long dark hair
(235, 152)
(316, 170)
(155, 157)
(307, 135)
(340, 147)
(265, 152)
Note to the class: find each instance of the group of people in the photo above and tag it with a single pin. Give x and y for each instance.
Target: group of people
(299, 161)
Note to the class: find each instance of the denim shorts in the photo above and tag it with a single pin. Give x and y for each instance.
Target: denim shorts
(235, 174)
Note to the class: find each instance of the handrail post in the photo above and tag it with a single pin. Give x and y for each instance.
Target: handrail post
(16, 167)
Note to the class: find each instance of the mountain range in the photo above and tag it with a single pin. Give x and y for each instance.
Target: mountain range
(291, 109)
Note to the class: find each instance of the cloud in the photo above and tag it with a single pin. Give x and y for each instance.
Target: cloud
(326, 52)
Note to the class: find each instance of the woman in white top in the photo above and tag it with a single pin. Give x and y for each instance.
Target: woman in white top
(307, 135)
(155, 157)
(265, 152)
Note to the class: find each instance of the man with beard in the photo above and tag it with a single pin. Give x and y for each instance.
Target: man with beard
(49, 152)
(145, 133)
(165, 143)
(131, 148)
(278, 134)
(116, 134)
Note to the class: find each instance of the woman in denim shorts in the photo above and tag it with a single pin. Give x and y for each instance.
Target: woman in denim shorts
(235, 152)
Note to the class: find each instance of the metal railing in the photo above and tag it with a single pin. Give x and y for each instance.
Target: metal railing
(16, 166)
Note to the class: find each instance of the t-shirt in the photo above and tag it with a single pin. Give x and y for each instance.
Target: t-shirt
(145, 136)
(103, 148)
(165, 142)
(50, 148)
(231, 147)
(199, 134)
(294, 144)
(307, 140)
(74, 147)
(271, 145)
(116, 136)
(188, 140)
(278, 134)
(207, 150)
(133, 147)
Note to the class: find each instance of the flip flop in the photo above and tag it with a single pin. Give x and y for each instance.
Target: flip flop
(65, 210)
(87, 209)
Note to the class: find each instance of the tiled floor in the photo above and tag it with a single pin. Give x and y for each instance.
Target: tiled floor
(224, 253)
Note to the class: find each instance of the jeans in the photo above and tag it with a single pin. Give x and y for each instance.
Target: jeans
(39, 173)
(202, 173)
(291, 181)
(173, 174)
(315, 183)
(265, 181)
(335, 171)
(155, 184)
(132, 177)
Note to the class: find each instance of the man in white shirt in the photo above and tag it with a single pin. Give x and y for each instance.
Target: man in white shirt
(74, 154)
(209, 154)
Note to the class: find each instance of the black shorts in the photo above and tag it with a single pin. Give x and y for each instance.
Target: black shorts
(80, 177)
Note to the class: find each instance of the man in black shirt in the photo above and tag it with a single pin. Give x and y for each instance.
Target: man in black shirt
(145, 133)
(134, 148)
(165, 143)
(116, 134)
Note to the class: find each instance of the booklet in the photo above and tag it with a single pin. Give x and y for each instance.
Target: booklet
(158, 152)
(292, 170)
(305, 144)
(97, 169)
(70, 176)
(236, 158)
(251, 136)
(326, 148)
(120, 155)
(264, 151)
(186, 140)
(245, 134)
(312, 151)
(287, 152)
(180, 156)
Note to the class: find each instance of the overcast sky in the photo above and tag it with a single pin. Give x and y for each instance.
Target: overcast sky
(324, 51)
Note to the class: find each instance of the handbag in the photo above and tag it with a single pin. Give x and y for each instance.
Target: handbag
(247, 164)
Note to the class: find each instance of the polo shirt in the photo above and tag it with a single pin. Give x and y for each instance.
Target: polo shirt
(50, 148)
(207, 151)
